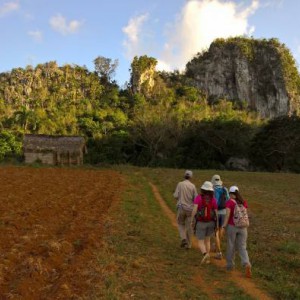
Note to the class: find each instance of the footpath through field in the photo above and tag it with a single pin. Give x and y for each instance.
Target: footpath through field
(244, 283)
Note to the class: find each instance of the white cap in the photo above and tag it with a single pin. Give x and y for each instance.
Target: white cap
(188, 173)
(207, 186)
(233, 189)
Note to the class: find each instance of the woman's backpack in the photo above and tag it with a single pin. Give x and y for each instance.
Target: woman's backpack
(221, 195)
(205, 212)
(240, 215)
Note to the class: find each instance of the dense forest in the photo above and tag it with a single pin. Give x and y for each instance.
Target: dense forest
(158, 119)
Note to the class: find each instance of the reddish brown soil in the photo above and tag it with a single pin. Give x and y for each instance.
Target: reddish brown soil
(51, 221)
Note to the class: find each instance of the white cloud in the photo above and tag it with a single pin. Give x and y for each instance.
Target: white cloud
(8, 7)
(36, 35)
(59, 24)
(133, 32)
(196, 26)
(199, 23)
(163, 66)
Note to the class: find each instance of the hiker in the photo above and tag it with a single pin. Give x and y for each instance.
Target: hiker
(185, 194)
(205, 213)
(236, 223)
(221, 195)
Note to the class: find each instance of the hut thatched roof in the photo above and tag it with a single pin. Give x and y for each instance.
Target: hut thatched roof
(62, 144)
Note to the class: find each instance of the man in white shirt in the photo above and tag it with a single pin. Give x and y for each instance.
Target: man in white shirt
(185, 194)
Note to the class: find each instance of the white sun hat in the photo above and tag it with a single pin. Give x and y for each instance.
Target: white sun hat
(216, 180)
(207, 186)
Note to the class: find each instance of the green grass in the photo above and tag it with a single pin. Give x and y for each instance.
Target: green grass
(274, 206)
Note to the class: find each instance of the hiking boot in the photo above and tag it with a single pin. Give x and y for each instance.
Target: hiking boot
(248, 271)
(219, 255)
(187, 246)
(205, 258)
(184, 243)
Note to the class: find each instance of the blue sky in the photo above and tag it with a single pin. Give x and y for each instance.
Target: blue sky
(172, 31)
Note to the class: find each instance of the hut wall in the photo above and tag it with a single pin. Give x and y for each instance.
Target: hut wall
(45, 158)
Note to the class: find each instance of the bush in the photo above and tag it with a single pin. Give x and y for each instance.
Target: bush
(9, 146)
(276, 147)
(209, 144)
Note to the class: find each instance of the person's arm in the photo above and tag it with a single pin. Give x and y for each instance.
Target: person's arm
(195, 208)
(226, 217)
(217, 218)
(176, 193)
(227, 193)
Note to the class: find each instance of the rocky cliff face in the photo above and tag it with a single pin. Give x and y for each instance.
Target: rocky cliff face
(261, 73)
(142, 75)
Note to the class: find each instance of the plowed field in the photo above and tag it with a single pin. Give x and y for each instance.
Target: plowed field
(51, 222)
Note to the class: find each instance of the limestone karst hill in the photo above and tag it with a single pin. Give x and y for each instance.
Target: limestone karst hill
(261, 73)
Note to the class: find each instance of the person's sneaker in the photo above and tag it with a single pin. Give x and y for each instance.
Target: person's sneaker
(205, 258)
(219, 255)
(229, 268)
(184, 243)
(248, 271)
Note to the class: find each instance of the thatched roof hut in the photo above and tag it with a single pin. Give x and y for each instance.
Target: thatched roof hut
(54, 150)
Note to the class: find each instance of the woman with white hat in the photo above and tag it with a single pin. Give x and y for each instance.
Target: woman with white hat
(205, 210)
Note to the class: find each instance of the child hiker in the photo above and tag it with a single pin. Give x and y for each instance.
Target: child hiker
(236, 223)
(205, 210)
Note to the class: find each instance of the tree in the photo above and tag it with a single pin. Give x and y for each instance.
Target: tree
(24, 116)
(105, 68)
(155, 131)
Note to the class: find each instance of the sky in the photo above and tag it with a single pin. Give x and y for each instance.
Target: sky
(172, 31)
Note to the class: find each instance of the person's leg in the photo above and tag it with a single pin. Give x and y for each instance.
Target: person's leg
(230, 247)
(218, 242)
(207, 244)
(181, 226)
(201, 229)
(210, 230)
(219, 236)
(200, 234)
(209, 233)
(202, 246)
(241, 242)
(188, 228)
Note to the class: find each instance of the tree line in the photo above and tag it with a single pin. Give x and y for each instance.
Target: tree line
(157, 119)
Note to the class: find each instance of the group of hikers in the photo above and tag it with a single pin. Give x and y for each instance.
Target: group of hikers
(209, 214)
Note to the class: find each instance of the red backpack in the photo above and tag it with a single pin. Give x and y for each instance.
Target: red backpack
(205, 213)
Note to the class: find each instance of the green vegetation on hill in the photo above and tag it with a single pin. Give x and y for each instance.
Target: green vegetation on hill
(171, 124)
